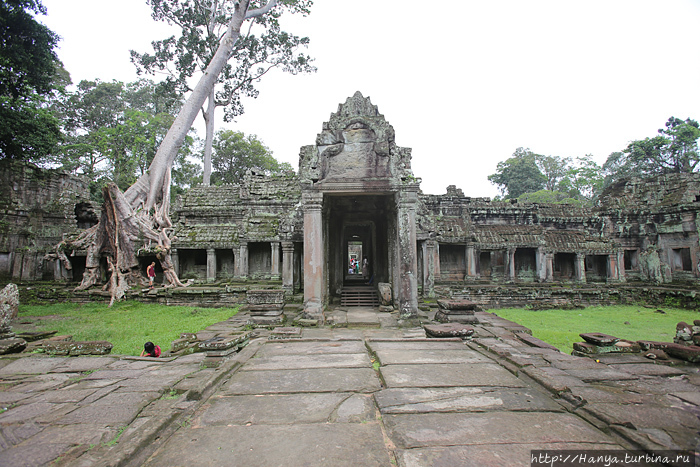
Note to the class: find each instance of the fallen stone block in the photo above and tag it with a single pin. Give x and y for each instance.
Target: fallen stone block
(179, 344)
(534, 342)
(190, 336)
(598, 338)
(35, 336)
(77, 348)
(385, 296)
(449, 330)
(285, 333)
(265, 296)
(448, 316)
(457, 305)
(689, 353)
(12, 345)
(223, 342)
(621, 346)
(10, 296)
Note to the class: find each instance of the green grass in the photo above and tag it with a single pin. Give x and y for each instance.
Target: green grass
(127, 325)
(561, 328)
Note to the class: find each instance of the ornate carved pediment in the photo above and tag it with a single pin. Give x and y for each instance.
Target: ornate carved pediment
(357, 143)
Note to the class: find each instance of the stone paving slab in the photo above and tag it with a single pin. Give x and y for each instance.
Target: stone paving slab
(312, 347)
(448, 375)
(427, 400)
(416, 344)
(77, 365)
(282, 362)
(301, 445)
(428, 356)
(285, 409)
(27, 454)
(445, 429)
(304, 380)
(32, 365)
(486, 455)
(115, 409)
(648, 369)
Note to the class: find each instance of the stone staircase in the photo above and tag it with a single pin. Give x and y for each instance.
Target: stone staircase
(359, 295)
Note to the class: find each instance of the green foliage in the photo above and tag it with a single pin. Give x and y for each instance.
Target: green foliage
(548, 197)
(561, 328)
(519, 174)
(127, 325)
(673, 150)
(29, 73)
(113, 131)
(235, 153)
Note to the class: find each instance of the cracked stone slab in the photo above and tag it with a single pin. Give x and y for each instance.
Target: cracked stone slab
(428, 400)
(114, 409)
(303, 380)
(417, 344)
(78, 365)
(601, 374)
(440, 429)
(32, 365)
(312, 347)
(282, 362)
(648, 369)
(488, 455)
(29, 455)
(280, 409)
(411, 356)
(448, 375)
(359, 444)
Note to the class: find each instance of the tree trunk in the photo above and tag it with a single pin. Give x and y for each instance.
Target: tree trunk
(142, 212)
(209, 140)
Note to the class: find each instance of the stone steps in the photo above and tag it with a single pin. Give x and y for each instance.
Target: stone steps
(359, 296)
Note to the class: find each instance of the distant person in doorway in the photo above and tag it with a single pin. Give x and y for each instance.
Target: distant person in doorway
(365, 267)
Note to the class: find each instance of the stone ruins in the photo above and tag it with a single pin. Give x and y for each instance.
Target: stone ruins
(354, 216)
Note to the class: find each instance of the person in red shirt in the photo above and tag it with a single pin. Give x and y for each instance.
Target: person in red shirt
(151, 273)
(150, 350)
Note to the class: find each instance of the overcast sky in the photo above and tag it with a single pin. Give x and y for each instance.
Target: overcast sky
(464, 83)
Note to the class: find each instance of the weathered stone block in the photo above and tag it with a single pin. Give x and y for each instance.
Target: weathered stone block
(12, 345)
(77, 348)
(449, 330)
(384, 290)
(10, 296)
(451, 317)
(223, 342)
(261, 297)
(457, 305)
(598, 338)
(179, 344)
(190, 336)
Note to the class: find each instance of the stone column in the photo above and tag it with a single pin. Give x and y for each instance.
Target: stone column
(275, 260)
(288, 267)
(175, 258)
(510, 274)
(243, 261)
(613, 270)
(211, 265)
(408, 264)
(429, 268)
(621, 266)
(313, 254)
(549, 260)
(580, 267)
(436, 260)
(471, 262)
(541, 264)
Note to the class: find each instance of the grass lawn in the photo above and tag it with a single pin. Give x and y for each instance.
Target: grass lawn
(127, 325)
(561, 328)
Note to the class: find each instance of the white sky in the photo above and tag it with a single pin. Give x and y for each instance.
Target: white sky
(464, 83)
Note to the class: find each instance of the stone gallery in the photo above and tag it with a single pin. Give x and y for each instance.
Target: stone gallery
(354, 216)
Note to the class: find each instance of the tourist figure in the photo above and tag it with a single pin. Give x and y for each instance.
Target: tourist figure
(150, 350)
(365, 267)
(351, 270)
(151, 273)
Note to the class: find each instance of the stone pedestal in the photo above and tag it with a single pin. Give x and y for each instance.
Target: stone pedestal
(266, 306)
(456, 311)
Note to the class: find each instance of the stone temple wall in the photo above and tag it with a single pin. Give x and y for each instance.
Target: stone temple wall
(37, 207)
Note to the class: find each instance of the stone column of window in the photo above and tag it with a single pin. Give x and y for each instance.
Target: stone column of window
(313, 254)
(275, 260)
(471, 262)
(211, 265)
(549, 260)
(288, 267)
(511, 264)
(243, 261)
(613, 270)
(408, 264)
(541, 264)
(580, 267)
(429, 268)
(175, 258)
(621, 266)
(436, 260)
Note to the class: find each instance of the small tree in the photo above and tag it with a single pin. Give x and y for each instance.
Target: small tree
(234, 154)
(519, 174)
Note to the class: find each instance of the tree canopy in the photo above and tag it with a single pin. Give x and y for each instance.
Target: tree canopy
(28, 75)
(235, 153)
(519, 174)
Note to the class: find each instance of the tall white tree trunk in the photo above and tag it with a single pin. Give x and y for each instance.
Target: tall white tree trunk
(209, 139)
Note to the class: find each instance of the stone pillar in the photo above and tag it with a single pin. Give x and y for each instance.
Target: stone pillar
(408, 264)
(580, 267)
(436, 260)
(621, 266)
(275, 260)
(175, 258)
(243, 261)
(429, 268)
(211, 265)
(541, 264)
(288, 267)
(314, 267)
(613, 270)
(549, 260)
(471, 262)
(510, 258)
